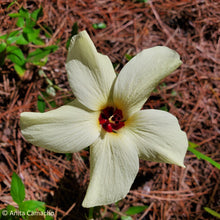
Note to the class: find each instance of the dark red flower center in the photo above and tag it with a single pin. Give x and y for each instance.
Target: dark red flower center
(111, 119)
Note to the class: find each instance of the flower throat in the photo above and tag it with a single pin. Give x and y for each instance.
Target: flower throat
(111, 119)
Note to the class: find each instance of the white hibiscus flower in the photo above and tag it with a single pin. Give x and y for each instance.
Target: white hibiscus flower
(106, 115)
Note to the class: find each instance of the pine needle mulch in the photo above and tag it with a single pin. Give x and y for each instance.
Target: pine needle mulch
(191, 94)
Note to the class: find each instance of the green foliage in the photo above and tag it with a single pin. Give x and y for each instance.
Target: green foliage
(12, 3)
(17, 189)
(126, 218)
(128, 56)
(212, 212)
(69, 156)
(135, 210)
(41, 105)
(46, 96)
(16, 55)
(74, 31)
(100, 25)
(37, 55)
(96, 212)
(164, 108)
(141, 1)
(26, 209)
(199, 155)
(3, 47)
(31, 206)
(50, 90)
(193, 145)
(15, 46)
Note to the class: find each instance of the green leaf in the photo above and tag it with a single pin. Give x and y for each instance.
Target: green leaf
(17, 189)
(21, 40)
(11, 40)
(40, 53)
(16, 55)
(3, 47)
(53, 104)
(41, 73)
(31, 205)
(164, 108)
(20, 22)
(204, 157)
(37, 55)
(2, 57)
(20, 70)
(5, 214)
(3, 37)
(12, 3)
(49, 81)
(11, 208)
(50, 90)
(128, 56)
(30, 23)
(193, 145)
(38, 41)
(12, 37)
(100, 25)
(135, 210)
(126, 218)
(33, 34)
(42, 62)
(2, 216)
(69, 156)
(49, 217)
(13, 33)
(11, 49)
(212, 212)
(73, 32)
(14, 15)
(27, 30)
(52, 48)
(37, 13)
(41, 105)
(24, 13)
(142, 1)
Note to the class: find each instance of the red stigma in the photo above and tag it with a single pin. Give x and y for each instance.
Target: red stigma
(111, 119)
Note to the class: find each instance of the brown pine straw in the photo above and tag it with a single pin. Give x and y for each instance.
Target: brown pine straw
(191, 94)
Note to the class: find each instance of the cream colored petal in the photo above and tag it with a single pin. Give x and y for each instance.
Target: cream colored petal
(158, 136)
(67, 129)
(114, 166)
(90, 73)
(141, 75)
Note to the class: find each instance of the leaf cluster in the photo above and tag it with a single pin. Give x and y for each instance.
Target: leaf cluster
(15, 46)
(127, 215)
(26, 209)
